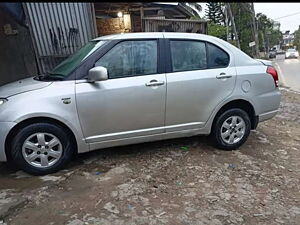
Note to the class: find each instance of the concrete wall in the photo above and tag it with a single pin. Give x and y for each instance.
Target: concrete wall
(17, 58)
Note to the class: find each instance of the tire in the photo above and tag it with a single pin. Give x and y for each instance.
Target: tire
(220, 126)
(57, 148)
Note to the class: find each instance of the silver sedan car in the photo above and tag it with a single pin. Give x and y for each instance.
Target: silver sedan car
(132, 88)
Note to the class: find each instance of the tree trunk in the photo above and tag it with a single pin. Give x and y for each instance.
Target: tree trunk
(255, 31)
(226, 23)
(263, 41)
(233, 24)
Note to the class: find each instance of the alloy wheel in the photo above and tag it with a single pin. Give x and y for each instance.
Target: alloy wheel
(42, 150)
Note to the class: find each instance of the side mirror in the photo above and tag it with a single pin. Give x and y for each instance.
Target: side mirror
(97, 73)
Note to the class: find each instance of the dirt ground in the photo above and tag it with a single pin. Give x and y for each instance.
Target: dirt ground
(182, 181)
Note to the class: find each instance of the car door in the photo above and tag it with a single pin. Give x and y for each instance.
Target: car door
(131, 102)
(200, 76)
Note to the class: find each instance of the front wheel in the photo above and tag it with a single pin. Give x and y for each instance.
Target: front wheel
(42, 148)
(231, 129)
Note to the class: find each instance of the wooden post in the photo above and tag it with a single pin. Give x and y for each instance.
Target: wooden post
(142, 16)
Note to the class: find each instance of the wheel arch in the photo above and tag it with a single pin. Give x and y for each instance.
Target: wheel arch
(32, 120)
(241, 104)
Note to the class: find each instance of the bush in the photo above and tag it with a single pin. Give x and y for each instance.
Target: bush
(217, 30)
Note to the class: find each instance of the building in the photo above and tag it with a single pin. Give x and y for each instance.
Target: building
(146, 17)
(288, 40)
(57, 30)
(17, 57)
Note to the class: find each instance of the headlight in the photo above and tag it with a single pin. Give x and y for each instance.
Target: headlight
(2, 101)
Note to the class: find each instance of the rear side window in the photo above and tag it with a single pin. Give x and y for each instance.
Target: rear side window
(216, 57)
(188, 55)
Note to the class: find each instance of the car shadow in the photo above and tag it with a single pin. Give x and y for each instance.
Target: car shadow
(136, 150)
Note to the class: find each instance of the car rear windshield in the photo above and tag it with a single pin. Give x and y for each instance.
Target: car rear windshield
(291, 50)
(68, 65)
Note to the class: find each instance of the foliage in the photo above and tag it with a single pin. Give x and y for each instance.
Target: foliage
(217, 30)
(297, 39)
(265, 26)
(267, 34)
(275, 37)
(243, 22)
(214, 12)
(242, 13)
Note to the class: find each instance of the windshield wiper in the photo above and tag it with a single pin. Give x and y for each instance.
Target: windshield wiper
(39, 77)
(51, 76)
(48, 77)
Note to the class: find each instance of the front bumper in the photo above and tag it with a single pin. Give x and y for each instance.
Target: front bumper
(5, 127)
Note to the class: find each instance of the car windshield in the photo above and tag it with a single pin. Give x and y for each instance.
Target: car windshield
(291, 50)
(69, 64)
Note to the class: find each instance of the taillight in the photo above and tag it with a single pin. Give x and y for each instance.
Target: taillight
(271, 70)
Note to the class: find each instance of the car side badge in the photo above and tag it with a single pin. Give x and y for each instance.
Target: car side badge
(66, 100)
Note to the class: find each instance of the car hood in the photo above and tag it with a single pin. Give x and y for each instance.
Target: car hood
(21, 86)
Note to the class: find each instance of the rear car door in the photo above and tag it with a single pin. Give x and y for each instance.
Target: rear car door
(131, 102)
(200, 76)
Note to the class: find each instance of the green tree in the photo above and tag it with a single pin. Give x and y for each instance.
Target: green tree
(217, 30)
(214, 12)
(297, 39)
(244, 25)
(275, 37)
(265, 26)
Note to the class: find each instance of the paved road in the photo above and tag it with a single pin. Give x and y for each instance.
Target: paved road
(289, 71)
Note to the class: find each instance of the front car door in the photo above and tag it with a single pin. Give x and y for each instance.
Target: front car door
(131, 103)
(200, 77)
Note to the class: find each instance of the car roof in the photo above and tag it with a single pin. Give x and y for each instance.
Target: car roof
(130, 36)
(152, 35)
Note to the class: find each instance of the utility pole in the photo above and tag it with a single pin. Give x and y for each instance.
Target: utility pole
(233, 24)
(226, 22)
(255, 31)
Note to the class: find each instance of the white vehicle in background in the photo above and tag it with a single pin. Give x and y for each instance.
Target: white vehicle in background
(291, 53)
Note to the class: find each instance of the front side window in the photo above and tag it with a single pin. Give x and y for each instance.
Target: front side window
(130, 58)
(216, 57)
(188, 55)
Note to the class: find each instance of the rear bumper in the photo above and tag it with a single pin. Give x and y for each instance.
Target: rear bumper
(5, 127)
(267, 115)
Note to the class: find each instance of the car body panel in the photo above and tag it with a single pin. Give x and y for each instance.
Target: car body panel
(5, 127)
(124, 111)
(21, 86)
(47, 102)
(192, 96)
(136, 109)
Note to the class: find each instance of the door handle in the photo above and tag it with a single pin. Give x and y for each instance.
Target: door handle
(154, 83)
(223, 76)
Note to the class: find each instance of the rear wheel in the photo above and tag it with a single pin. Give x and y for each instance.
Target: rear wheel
(42, 148)
(231, 129)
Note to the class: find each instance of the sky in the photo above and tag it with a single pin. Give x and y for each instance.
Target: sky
(276, 10)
